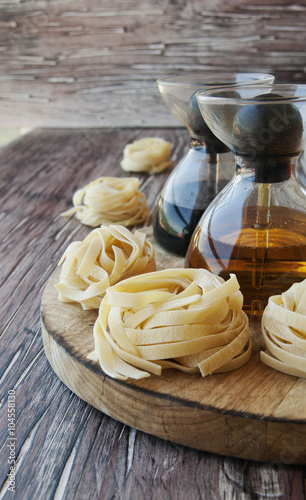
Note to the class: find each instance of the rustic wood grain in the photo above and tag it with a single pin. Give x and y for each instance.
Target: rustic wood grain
(76, 63)
(65, 448)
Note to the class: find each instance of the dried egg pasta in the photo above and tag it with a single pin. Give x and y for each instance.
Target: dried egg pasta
(110, 200)
(107, 255)
(283, 329)
(149, 154)
(187, 319)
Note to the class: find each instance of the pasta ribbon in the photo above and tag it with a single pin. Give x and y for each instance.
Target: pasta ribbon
(107, 255)
(149, 154)
(178, 318)
(110, 200)
(283, 329)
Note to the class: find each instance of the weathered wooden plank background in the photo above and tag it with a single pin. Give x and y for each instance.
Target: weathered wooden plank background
(85, 63)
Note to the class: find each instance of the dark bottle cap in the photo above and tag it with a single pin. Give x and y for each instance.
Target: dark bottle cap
(201, 129)
(268, 136)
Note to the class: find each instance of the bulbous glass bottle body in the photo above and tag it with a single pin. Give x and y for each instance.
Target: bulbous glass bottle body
(257, 231)
(189, 190)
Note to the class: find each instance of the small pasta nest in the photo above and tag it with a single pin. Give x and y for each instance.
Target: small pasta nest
(283, 329)
(149, 154)
(107, 255)
(110, 200)
(187, 319)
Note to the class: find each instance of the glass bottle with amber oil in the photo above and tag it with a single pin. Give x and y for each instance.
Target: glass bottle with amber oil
(256, 227)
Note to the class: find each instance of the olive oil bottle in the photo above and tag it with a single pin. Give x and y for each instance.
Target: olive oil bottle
(256, 227)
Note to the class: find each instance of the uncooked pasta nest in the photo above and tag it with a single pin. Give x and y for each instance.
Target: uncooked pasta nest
(110, 200)
(107, 255)
(187, 319)
(149, 154)
(284, 331)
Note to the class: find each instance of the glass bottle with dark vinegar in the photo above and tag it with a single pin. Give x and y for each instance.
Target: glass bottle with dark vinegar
(195, 182)
(256, 227)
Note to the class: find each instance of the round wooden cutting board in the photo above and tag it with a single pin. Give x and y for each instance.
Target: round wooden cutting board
(254, 412)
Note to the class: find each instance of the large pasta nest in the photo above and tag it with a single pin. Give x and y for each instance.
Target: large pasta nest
(188, 319)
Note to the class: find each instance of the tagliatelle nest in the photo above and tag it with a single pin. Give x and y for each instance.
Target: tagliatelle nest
(188, 319)
(110, 200)
(284, 331)
(149, 154)
(107, 255)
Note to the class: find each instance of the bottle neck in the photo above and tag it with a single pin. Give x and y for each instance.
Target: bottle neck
(266, 169)
(209, 142)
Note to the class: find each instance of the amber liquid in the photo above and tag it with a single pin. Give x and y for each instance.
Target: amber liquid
(266, 259)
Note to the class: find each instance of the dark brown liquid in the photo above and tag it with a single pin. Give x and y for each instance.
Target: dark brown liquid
(266, 260)
(174, 223)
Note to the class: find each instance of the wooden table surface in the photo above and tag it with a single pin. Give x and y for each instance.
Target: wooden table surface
(63, 447)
